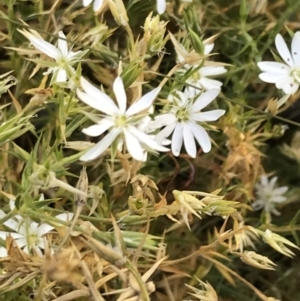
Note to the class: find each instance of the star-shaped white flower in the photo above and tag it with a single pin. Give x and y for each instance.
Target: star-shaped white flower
(285, 76)
(161, 6)
(64, 58)
(119, 121)
(268, 196)
(183, 121)
(96, 6)
(27, 233)
(200, 78)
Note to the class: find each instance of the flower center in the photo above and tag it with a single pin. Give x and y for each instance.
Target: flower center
(182, 114)
(121, 121)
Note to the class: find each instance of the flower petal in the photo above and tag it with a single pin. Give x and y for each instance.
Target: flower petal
(208, 83)
(133, 146)
(87, 2)
(162, 120)
(96, 98)
(274, 67)
(61, 76)
(205, 99)
(146, 139)
(283, 50)
(189, 141)
(296, 49)
(3, 252)
(208, 116)
(288, 85)
(208, 48)
(120, 94)
(97, 4)
(67, 217)
(45, 47)
(177, 139)
(166, 132)
(44, 229)
(212, 70)
(101, 146)
(271, 77)
(98, 129)
(161, 6)
(143, 103)
(62, 44)
(201, 136)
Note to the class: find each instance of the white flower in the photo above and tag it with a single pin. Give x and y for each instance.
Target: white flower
(285, 76)
(96, 6)
(200, 78)
(118, 120)
(27, 233)
(161, 6)
(268, 195)
(182, 120)
(63, 57)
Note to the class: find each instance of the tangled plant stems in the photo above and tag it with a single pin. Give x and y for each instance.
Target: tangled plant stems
(145, 153)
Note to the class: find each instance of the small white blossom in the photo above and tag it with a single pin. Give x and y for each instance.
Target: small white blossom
(120, 122)
(27, 233)
(63, 57)
(96, 6)
(268, 196)
(183, 118)
(285, 76)
(200, 79)
(161, 6)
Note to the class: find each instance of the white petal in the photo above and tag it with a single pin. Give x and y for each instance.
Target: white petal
(12, 224)
(61, 76)
(133, 146)
(177, 139)
(212, 70)
(208, 116)
(274, 67)
(62, 44)
(4, 234)
(296, 49)
(45, 47)
(97, 4)
(189, 141)
(283, 50)
(257, 205)
(144, 103)
(271, 77)
(208, 83)
(67, 217)
(120, 94)
(278, 199)
(98, 129)
(162, 120)
(208, 48)
(288, 85)
(280, 190)
(201, 136)
(146, 139)
(101, 146)
(264, 180)
(161, 6)
(96, 98)
(3, 252)
(12, 204)
(87, 2)
(43, 229)
(166, 132)
(205, 99)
